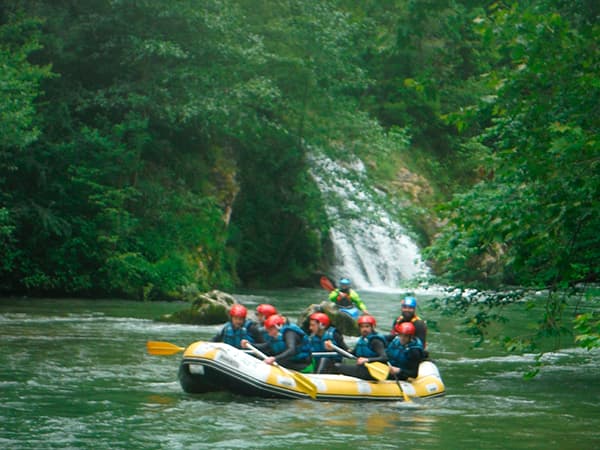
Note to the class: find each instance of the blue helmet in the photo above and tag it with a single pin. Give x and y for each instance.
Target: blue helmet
(409, 302)
(345, 282)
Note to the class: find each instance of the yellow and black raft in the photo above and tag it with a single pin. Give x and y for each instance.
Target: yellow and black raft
(211, 366)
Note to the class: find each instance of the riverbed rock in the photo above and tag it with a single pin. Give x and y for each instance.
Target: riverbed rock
(209, 308)
(342, 321)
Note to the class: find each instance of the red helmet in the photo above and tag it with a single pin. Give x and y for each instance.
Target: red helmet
(405, 328)
(238, 310)
(322, 318)
(266, 310)
(367, 319)
(274, 321)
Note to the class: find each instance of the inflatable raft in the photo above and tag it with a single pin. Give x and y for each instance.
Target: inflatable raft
(211, 366)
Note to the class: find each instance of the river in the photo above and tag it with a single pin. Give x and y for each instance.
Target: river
(74, 374)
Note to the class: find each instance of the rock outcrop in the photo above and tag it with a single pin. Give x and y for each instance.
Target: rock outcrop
(342, 321)
(206, 309)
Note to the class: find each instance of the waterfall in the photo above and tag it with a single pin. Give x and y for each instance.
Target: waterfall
(371, 248)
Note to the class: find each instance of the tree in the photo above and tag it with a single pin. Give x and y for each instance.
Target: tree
(533, 220)
(19, 87)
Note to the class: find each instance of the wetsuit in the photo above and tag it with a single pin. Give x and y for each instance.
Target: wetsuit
(406, 357)
(371, 347)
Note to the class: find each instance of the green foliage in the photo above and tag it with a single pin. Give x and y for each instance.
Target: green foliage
(160, 115)
(531, 222)
(588, 328)
(531, 219)
(167, 152)
(19, 86)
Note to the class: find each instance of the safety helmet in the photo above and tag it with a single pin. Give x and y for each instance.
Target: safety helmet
(266, 309)
(409, 302)
(367, 319)
(405, 328)
(238, 310)
(322, 318)
(345, 282)
(274, 321)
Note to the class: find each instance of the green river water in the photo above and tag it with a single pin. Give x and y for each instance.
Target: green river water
(75, 374)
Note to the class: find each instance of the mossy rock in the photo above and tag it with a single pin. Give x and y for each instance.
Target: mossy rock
(209, 308)
(342, 321)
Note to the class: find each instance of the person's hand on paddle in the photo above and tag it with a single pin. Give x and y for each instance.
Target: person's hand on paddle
(395, 370)
(360, 361)
(243, 343)
(328, 345)
(270, 360)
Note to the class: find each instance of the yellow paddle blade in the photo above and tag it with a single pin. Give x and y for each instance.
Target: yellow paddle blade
(302, 381)
(378, 370)
(305, 383)
(163, 348)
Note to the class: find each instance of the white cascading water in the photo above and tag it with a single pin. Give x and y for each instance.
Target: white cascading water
(371, 249)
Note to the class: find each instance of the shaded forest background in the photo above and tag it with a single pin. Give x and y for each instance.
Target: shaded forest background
(150, 149)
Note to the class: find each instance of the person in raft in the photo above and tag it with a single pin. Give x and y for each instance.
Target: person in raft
(347, 299)
(408, 307)
(288, 345)
(370, 347)
(238, 328)
(321, 331)
(405, 352)
(263, 312)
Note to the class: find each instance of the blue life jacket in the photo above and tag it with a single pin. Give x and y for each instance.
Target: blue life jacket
(264, 334)
(363, 345)
(317, 344)
(278, 343)
(398, 353)
(234, 337)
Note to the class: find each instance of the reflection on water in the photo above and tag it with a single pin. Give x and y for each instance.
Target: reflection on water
(76, 375)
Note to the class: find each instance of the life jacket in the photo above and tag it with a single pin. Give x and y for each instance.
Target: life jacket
(317, 344)
(400, 319)
(398, 353)
(363, 345)
(414, 319)
(264, 334)
(344, 301)
(234, 337)
(278, 343)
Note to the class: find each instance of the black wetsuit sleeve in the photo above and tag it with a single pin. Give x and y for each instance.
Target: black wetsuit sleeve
(378, 347)
(219, 336)
(414, 358)
(339, 340)
(421, 331)
(263, 347)
(290, 338)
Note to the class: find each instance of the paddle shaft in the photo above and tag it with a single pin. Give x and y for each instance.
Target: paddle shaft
(404, 394)
(377, 370)
(257, 351)
(162, 348)
(343, 352)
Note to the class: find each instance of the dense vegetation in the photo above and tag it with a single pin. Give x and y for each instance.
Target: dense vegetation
(150, 148)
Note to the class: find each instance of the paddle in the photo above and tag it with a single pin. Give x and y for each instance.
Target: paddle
(166, 348)
(404, 394)
(163, 348)
(377, 370)
(326, 284)
(303, 382)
